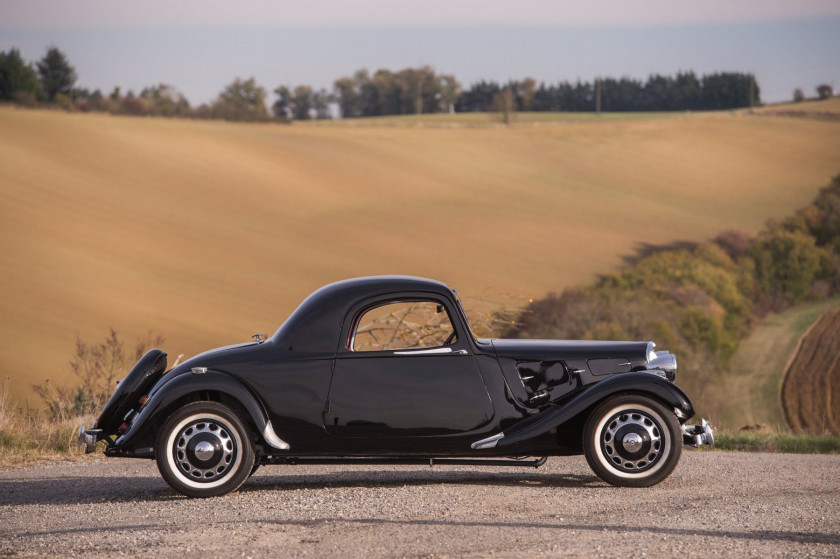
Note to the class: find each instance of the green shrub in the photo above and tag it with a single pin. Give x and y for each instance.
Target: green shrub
(786, 265)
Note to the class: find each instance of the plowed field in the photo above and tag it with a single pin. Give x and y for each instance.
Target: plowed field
(811, 388)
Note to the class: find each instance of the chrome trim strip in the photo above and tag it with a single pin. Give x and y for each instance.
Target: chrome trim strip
(657, 372)
(271, 438)
(425, 351)
(489, 442)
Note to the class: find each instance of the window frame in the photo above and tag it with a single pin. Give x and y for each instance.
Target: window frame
(363, 309)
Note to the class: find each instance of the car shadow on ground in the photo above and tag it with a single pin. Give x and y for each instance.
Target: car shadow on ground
(391, 478)
(70, 490)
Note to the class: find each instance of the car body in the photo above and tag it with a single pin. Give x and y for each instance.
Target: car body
(385, 369)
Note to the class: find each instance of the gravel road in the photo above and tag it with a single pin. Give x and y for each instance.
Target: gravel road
(715, 504)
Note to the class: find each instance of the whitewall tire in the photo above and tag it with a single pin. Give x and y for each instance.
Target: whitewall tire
(632, 440)
(204, 450)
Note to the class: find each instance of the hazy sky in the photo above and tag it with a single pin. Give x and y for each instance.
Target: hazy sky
(199, 46)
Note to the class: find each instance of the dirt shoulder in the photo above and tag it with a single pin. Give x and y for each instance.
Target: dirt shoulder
(716, 504)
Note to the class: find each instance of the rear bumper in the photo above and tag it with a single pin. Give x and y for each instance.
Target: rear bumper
(88, 438)
(698, 435)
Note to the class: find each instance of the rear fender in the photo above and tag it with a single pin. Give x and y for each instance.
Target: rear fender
(557, 414)
(190, 383)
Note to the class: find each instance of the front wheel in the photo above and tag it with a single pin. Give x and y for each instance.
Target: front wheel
(204, 450)
(632, 441)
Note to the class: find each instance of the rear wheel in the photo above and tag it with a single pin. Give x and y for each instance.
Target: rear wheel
(204, 450)
(632, 441)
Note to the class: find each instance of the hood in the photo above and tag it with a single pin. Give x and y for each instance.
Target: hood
(637, 353)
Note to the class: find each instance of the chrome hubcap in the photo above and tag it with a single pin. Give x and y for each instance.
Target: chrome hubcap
(632, 441)
(204, 450)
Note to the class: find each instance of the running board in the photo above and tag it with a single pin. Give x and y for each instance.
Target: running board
(291, 460)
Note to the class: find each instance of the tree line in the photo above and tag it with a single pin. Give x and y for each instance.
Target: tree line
(685, 91)
(383, 92)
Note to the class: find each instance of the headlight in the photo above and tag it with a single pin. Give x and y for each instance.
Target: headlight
(664, 361)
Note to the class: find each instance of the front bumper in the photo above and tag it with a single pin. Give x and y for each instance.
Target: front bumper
(88, 438)
(698, 435)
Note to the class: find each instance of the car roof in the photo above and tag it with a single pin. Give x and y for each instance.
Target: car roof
(316, 323)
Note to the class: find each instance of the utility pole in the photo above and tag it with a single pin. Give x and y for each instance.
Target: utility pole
(598, 96)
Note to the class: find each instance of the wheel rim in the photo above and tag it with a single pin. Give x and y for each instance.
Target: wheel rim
(632, 441)
(204, 450)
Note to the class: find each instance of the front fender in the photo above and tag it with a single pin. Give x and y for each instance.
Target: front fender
(189, 383)
(556, 414)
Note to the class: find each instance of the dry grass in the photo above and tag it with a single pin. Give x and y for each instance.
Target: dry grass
(487, 120)
(777, 442)
(32, 440)
(825, 109)
(29, 436)
(208, 231)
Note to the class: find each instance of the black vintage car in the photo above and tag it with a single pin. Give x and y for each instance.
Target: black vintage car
(386, 370)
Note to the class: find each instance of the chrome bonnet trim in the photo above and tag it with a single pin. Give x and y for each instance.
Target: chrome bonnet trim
(489, 442)
(271, 438)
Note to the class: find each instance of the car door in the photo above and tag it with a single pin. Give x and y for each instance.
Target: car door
(407, 371)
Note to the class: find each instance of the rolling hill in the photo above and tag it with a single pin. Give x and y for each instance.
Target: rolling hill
(207, 232)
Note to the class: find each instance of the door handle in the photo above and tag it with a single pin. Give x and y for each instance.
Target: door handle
(433, 351)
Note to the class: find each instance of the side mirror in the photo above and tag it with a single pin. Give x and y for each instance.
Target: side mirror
(439, 309)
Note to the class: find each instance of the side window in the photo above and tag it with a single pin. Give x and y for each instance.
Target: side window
(403, 325)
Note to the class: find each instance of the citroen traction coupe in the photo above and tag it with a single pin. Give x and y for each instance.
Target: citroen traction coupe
(385, 370)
